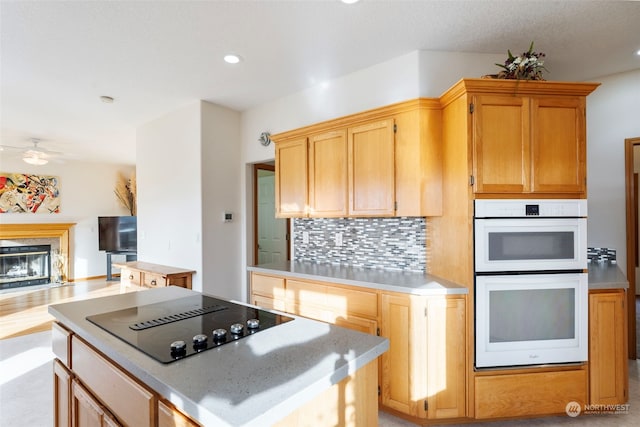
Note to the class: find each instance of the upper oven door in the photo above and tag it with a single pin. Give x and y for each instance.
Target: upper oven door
(535, 244)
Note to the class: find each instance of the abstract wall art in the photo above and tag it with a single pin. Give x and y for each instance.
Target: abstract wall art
(29, 193)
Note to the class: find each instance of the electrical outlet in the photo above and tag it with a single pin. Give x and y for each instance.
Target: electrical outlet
(305, 237)
(338, 239)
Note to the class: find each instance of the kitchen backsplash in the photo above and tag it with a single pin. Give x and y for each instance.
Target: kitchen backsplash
(384, 243)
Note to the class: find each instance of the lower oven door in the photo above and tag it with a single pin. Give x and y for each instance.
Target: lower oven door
(531, 319)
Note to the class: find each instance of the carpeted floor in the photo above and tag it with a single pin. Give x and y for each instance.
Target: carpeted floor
(26, 397)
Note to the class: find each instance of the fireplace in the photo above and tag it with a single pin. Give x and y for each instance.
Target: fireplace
(55, 234)
(26, 265)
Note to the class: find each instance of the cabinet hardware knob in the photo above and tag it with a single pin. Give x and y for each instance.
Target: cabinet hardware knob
(153, 282)
(131, 277)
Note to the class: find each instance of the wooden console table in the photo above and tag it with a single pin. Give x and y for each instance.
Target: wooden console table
(153, 275)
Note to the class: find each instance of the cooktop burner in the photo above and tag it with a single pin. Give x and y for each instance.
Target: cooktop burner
(172, 330)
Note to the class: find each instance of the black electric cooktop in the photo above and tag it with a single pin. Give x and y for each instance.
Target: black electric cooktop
(172, 330)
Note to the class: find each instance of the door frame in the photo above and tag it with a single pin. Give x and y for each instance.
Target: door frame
(272, 168)
(631, 203)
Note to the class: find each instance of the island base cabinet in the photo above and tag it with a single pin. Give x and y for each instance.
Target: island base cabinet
(353, 402)
(61, 395)
(529, 394)
(132, 403)
(168, 416)
(87, 411)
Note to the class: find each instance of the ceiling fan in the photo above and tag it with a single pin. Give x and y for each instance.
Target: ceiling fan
(34, 155)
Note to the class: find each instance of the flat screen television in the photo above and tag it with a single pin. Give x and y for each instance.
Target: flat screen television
(117, 233)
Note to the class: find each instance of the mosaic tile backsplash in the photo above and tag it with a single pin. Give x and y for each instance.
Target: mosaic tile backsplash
(382, 243)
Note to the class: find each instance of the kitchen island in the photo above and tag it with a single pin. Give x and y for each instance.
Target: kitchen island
(270, 378)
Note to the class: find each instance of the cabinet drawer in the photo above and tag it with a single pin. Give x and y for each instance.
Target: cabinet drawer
(130, 277)
(61, 343)
(541, 393)
(353, 301)
(268, 286)
(268, 303)
(128, 400)
(151, 280)
(304, 293)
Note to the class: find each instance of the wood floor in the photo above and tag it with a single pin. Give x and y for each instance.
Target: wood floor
(25, 311)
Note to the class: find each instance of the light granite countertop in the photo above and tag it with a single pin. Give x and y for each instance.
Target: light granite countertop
(604, 275)
(395, 281)
(255, 381)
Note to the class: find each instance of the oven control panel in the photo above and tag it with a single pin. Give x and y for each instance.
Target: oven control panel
(523, 208)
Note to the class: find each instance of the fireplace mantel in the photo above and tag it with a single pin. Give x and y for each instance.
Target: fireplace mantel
(35, 231)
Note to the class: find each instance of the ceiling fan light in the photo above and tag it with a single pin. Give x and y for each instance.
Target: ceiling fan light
(34, 159)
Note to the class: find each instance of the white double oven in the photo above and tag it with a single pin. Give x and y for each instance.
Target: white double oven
(531, 290)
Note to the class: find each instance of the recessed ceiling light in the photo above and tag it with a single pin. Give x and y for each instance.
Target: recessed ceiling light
(106, 99)
(231, 58)
(638, 52)
(350, 1)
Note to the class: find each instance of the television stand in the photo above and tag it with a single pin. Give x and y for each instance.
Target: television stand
(131, 256)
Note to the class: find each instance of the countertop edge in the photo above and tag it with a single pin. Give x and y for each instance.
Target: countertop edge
(432, 285)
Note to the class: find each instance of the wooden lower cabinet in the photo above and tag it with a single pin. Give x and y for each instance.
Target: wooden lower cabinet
(508, 394)
(87, 411)
(608, 373)
(423, 374)
(168, 416)
(61, 395)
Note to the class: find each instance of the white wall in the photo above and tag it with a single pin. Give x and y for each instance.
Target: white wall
(170, 191)
(221, 193)
(613, 114)
(187, 178)
(86, 192)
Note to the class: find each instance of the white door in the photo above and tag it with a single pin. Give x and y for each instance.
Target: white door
(272, 231)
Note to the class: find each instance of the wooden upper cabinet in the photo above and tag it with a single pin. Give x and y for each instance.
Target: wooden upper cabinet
(558, 145)
(501, 144)
(529, 144)
(525, 138)
(328, 191)
(291, 178)
(372, 169)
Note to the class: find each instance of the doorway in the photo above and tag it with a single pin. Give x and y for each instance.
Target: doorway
(271, 234)
(632, 169)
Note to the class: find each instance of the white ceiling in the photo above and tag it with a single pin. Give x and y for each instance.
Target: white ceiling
(57, 58)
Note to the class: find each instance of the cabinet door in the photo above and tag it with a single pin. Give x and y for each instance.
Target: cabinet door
(291, 178)
(403, 378)
(446, 357)
(558, 145)
(608, 381)
(87, 412)
(371, 149)
(61, 395)
(501, 144)
(328, 174)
